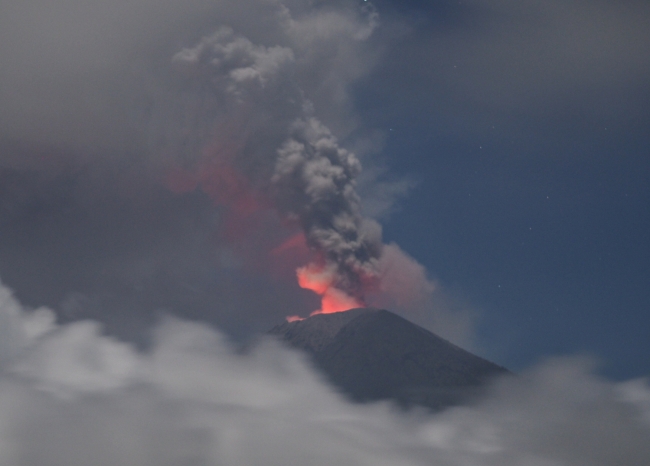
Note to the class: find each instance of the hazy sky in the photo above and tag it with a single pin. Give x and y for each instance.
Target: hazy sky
(146, 165)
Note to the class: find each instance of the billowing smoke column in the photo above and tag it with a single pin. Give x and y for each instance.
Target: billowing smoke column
(248, 94)
(104, 101)
(315, 179)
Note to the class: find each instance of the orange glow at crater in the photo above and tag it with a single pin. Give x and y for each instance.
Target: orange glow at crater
(315, 278)
(319, 279)
(335, 300)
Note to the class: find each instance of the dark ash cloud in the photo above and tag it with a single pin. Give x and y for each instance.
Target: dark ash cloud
(520, 65)
(147, 147)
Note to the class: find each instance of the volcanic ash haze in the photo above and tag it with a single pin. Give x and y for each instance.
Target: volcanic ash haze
(249, 118)
(107, 103)
(255, 121)
(310, 178)
(117, 115)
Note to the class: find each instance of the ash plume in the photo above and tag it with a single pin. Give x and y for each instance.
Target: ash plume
(310, 177)
(147, 147)
(315, 181)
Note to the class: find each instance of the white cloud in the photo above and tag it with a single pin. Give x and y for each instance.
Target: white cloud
(192, 400)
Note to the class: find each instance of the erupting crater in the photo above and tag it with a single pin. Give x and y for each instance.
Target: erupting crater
(320, 280)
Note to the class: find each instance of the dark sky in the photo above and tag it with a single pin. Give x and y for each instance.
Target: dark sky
(504, 147)
(525, 126)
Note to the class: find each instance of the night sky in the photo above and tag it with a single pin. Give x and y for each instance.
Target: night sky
(504, 147)
(525, 128)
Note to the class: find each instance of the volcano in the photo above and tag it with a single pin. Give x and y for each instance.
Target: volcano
(373, 354)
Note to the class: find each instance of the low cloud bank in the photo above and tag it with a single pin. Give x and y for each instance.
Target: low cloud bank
(72, 396)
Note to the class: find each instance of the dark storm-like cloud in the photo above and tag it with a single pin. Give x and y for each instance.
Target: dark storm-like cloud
(100, 107)
(70, 396)
(146, 149)
(528, 63)
(312, 178)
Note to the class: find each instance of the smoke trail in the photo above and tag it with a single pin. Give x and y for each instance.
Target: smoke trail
(316, 183)
(245, 116)
(309, 176)
(107, 100)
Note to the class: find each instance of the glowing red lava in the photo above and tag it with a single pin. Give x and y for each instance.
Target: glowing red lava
(335, 300)
(319, 279)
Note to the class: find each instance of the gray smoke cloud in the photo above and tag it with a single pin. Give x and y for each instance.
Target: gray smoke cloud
(317, 183)
(138, 143)
(147, 148)
(72, 396)
(525, 58)
(312, 179)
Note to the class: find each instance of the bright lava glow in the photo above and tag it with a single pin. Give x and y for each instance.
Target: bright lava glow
(320, 280)
(335, 300)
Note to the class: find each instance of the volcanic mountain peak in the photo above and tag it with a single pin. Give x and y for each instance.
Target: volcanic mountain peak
(373, 354)
(317, 332)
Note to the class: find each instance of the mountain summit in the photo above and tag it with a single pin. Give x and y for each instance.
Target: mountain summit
(373, 354)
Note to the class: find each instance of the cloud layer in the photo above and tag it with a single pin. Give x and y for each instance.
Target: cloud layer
(70, 395)
(520, 65)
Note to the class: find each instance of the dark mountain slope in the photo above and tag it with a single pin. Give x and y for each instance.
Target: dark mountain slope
(373, 354)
